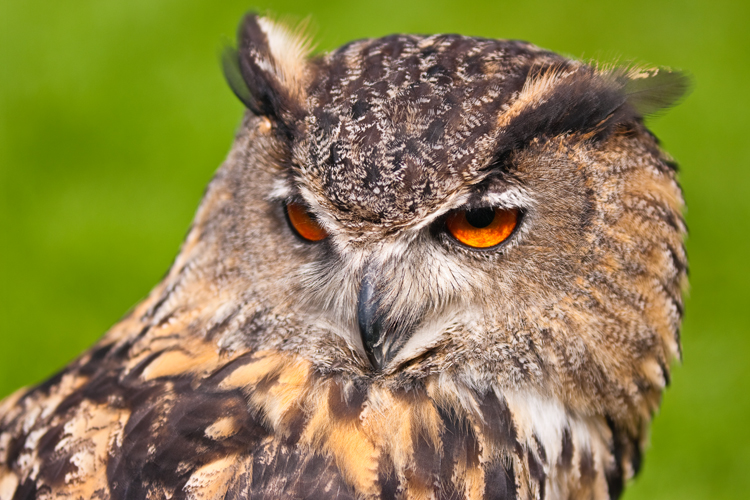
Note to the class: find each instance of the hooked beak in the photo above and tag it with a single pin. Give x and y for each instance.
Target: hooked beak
(370, 321)
(381, 339)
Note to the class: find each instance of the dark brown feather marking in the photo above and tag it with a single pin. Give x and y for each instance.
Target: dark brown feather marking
(26, 491)
(566, 455)
(424, 470)
(460, 448)
(497, 423)
(499, 481)
(387, 479)
(587, 469)
(347, 404)
(536, 471)
(291, 472)
(55, 464)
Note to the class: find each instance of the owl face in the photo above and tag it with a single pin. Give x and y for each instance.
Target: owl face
(450, 203)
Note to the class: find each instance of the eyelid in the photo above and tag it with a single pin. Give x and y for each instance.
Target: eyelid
(510, 197)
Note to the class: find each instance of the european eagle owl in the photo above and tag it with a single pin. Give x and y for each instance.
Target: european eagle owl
(430, 267)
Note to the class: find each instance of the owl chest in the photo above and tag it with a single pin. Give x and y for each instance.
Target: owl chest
(264, 425)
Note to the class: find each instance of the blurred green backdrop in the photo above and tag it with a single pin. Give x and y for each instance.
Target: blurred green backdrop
(114, 115)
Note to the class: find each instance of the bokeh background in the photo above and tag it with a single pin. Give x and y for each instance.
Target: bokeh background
(114, 115)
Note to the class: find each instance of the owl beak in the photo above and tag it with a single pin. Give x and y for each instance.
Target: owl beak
(370, 321)
(383, 330)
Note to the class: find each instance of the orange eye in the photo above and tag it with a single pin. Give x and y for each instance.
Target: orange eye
(303, 223)
(482, 227)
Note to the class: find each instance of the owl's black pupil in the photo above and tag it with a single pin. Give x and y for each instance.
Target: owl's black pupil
(480, 217)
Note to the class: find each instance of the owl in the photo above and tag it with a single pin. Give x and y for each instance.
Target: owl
(430, 267)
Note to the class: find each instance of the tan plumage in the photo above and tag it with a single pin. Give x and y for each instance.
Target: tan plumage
(389, 360)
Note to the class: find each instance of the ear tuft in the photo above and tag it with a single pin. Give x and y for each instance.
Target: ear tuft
(586, 100)
(290, 48)
(269, 69)
(652, 90)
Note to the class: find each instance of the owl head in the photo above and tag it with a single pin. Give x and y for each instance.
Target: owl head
(481, 211)
(430, 267)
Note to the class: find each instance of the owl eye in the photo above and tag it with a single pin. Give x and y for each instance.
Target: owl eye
(303, 223)
(482, 227)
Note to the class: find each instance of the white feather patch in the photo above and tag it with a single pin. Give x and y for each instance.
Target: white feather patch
(540, 416)
(290, 48)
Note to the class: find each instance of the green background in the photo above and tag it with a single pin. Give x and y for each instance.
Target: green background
(114, 115)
